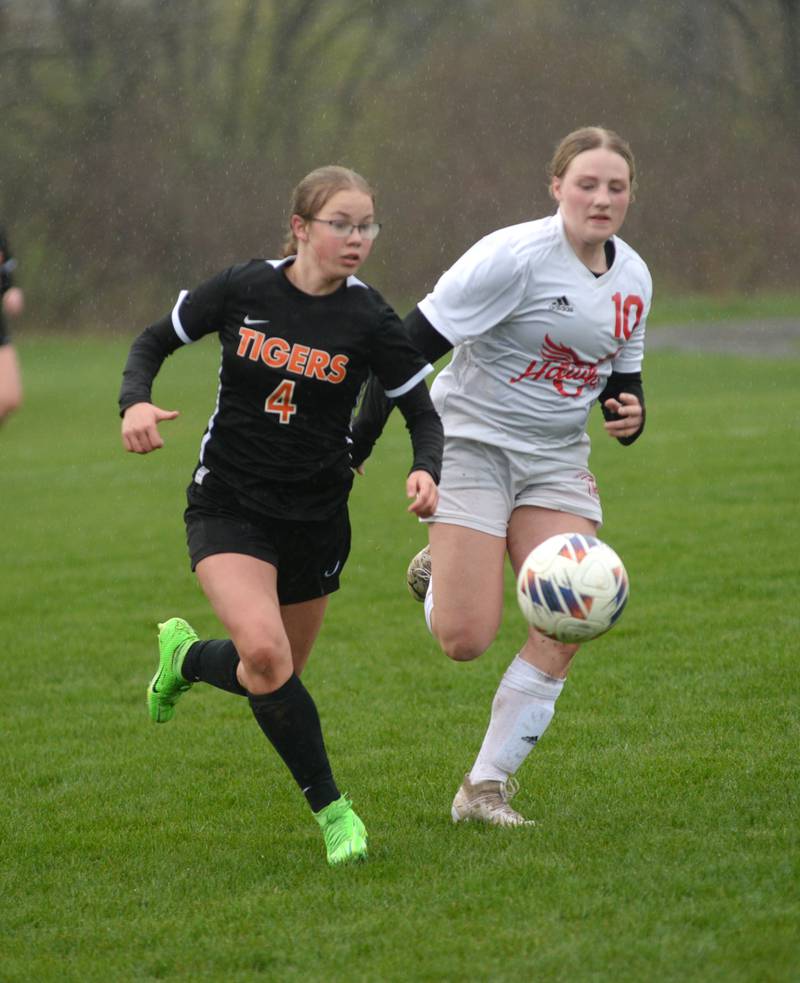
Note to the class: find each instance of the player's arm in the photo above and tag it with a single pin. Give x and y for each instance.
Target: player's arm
(13, 300)
(195, 314)
(140, 418)
(622, 403)
(376, 405)
(427, 440)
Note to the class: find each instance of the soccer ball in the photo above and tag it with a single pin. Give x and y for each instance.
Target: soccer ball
(572, 587)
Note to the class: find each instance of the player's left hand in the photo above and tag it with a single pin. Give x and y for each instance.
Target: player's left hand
(422, 488)
(629, 413)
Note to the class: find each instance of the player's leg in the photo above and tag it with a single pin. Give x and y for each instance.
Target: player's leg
(467, 589)
(467, 536)
(10, 381)
(214, 530)
(216, 661)
(302, 623)
(524, 702)
(243, 592)
(314, 554)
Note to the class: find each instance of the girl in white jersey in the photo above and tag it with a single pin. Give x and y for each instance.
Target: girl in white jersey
(545, 319)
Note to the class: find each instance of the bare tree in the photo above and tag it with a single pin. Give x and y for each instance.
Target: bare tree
(171, 133)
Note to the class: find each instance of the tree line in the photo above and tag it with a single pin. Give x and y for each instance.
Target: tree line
(147, 144)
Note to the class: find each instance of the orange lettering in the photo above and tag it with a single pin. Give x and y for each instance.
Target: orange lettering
(248, 336)
(297, 358)
(317, 363)
(338, 371)
(275, 352)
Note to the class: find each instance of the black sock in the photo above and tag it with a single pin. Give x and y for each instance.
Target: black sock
(213, 662)
(290, 721)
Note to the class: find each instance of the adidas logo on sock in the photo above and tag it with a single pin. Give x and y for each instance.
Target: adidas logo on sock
(562, 306)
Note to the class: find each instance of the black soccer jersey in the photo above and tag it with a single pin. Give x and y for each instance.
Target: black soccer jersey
(292, 366)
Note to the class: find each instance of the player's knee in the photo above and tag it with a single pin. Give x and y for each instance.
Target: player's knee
(263, 655)
(464, 645)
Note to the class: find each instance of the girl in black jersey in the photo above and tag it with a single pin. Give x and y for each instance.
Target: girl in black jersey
(267, 521)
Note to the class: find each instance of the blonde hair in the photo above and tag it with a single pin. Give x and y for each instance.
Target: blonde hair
(315, 190)
(589, 138)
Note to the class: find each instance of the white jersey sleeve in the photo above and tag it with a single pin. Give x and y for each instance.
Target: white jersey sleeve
(480, 290)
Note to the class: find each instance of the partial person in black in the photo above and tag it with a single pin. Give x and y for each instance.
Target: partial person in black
(12, 304)
(267, 521)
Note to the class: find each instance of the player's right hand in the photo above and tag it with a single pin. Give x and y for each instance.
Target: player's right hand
(423, 489)
(140, 427)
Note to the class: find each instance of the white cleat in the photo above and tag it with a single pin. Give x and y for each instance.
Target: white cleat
(487, 802)
(418, 575)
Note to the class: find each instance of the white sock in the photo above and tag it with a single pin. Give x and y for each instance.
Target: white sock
(522, 708)
(429, 605)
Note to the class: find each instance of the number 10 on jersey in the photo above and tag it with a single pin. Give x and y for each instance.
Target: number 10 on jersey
(632, 305)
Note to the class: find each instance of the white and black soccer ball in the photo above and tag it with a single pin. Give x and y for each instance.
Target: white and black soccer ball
(572, 587)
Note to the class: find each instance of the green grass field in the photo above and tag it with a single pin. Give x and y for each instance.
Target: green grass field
(666, 790)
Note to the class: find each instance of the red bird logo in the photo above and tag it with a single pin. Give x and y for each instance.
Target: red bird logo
(560, 365)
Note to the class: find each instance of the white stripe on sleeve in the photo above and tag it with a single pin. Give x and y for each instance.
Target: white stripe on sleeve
(407, 386)
(176, 321)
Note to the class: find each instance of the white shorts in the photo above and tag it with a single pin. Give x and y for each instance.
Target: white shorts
(482, 485)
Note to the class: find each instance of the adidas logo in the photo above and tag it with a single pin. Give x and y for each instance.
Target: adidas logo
(562, 306)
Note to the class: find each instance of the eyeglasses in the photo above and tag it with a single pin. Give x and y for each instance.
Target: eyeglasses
(342, 229)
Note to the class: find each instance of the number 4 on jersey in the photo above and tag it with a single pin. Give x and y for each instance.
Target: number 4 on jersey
(280, 401)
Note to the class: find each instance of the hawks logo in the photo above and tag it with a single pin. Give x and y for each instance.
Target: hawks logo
(560, 365)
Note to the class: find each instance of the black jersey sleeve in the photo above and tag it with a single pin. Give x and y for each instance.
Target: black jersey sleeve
(425, 427)
(425, 337)
(623, 382)
(195, 314)
(7, 264)
(145, 358)
(199, 312)
(375, 404)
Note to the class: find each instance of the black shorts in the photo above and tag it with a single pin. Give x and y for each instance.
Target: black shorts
(309, 555)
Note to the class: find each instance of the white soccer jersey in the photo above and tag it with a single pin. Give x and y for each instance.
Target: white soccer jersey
(536, 335)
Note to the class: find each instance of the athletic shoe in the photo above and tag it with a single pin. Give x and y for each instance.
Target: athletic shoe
(345, 835)
(175, 637)
(418, 575)
(487, 802)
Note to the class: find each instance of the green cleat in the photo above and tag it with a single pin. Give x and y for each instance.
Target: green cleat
(345, 835)
(175, 637)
